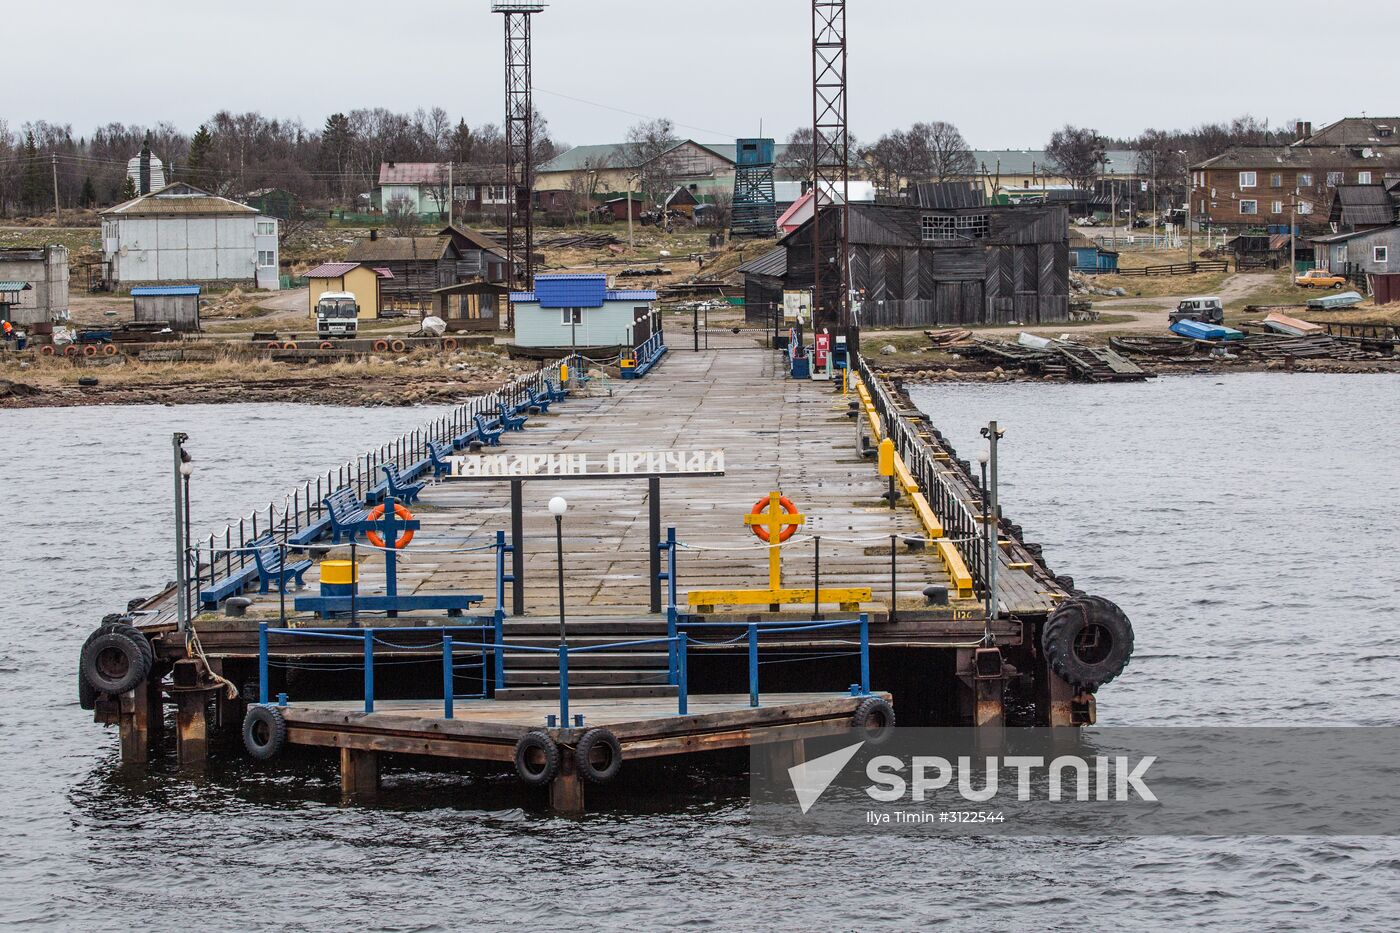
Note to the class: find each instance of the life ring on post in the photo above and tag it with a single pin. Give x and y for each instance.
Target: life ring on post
(762, 533)
(377, 512)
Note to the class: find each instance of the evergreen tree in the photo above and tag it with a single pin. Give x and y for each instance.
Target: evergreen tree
(337, 145)
(200, 168)
(128, 189)
(88, 198)
(31, 186)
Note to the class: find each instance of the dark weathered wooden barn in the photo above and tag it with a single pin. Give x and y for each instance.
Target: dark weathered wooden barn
(763, 285)
(471, 306)
(482, 258)
(915, 266)
(418, 265)
(177, 306)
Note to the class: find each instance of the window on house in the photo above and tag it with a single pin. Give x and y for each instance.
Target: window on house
(266, 258)
(1335, 178)
(1380, 254)
(1249, 207)
(1277, 207)
(1276, 180)
(1363, 178)
(267, 228)
(1249, 179)
(1304, 180)
(570, 316)
(1305, 207)
(934, 227)
(493, 194)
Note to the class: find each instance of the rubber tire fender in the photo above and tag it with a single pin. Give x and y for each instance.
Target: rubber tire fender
(131, 667)
(874, 717)
(87, 693)
(536, 743)
(593, 741)
(1065, 626)
(264, 732)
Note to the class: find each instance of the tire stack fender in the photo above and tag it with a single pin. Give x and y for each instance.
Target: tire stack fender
(264, 732)
(536, 759)
(874, 719)
(114, 659)
(1087, 641)
(598, 756)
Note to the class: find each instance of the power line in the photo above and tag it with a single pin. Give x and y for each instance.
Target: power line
(632, 113)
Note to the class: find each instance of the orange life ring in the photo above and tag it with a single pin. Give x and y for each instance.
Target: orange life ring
(762, 533)
(449, 343)
(109, 349)
(326, 345)
(377, 512)
(273, 345)
(90, 350)
(398, 346)
(46, 350)
(380, 346)
(71, 350)
(289, 345)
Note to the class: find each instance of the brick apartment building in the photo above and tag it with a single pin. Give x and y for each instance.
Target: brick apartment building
(1255, 186)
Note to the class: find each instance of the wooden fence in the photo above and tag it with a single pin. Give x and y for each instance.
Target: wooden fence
(1181, 268)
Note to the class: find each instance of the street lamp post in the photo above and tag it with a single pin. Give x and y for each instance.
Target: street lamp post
(184, 466)
(557, 507)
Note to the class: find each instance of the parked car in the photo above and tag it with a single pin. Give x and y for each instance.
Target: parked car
(1207, 310)
(1320, 278)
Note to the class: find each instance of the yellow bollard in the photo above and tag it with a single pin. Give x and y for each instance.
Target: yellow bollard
(886, 457)
(563, 372)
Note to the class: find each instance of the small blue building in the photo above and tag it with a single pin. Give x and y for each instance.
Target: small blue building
(1093, 259)
(579, 310)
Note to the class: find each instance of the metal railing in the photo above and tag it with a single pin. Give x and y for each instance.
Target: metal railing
(303, 506)
(367, 638)
(950, 493)
(780, 627)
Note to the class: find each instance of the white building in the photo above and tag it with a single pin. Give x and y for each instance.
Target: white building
(182, 234)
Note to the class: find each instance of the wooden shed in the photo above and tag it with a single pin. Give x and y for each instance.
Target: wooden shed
(175, 305)
(418, 265)
(763, 285)
(471, 306)
(916, 266)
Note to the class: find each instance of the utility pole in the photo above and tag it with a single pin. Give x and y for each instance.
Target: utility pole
(451, 192)
(629, 211)
(1293, 236)
(57, 214)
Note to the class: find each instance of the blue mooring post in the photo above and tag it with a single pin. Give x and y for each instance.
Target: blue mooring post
(500, 626)
(864, 653)
(262, 662)
(447, 677)
(369, 670)
(671, 644)
(500, 568)
(563, 684)
(671, 565)
(683, 693)
(753, 665)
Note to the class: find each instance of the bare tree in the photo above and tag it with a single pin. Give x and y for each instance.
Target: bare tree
(649, 150)
(722, 209)
(438, 188)
(1078, 154)
(939, 152)
(584, 184)
(403, 219)
(796, 159)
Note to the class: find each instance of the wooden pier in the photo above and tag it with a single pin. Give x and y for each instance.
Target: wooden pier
(919, 564)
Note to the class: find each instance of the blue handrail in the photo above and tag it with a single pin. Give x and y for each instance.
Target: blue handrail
(780, 627)
(366, 637)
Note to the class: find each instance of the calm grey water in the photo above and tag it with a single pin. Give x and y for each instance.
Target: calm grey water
(1245, 523)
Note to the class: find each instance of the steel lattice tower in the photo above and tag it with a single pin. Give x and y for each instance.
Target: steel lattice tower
(519, 134)
(830, 163)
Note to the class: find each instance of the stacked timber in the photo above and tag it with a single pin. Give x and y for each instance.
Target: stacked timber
(1057, 358)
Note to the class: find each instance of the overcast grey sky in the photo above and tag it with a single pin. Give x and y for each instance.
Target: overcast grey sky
(1007, 73)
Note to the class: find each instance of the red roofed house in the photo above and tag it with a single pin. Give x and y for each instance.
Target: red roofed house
(423, 185)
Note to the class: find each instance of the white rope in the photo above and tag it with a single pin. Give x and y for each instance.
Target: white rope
(192, 644)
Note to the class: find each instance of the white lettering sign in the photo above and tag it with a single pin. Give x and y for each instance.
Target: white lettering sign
(617, 463)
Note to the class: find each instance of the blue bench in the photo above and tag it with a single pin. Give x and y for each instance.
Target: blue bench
(511, 419)
(232, 585)
(399, 485)
(344, 511)
(557, 393)
(539, 400)
(312, 532)
(466, 439)
(484, 431)
(438, 454)
(268, 560)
